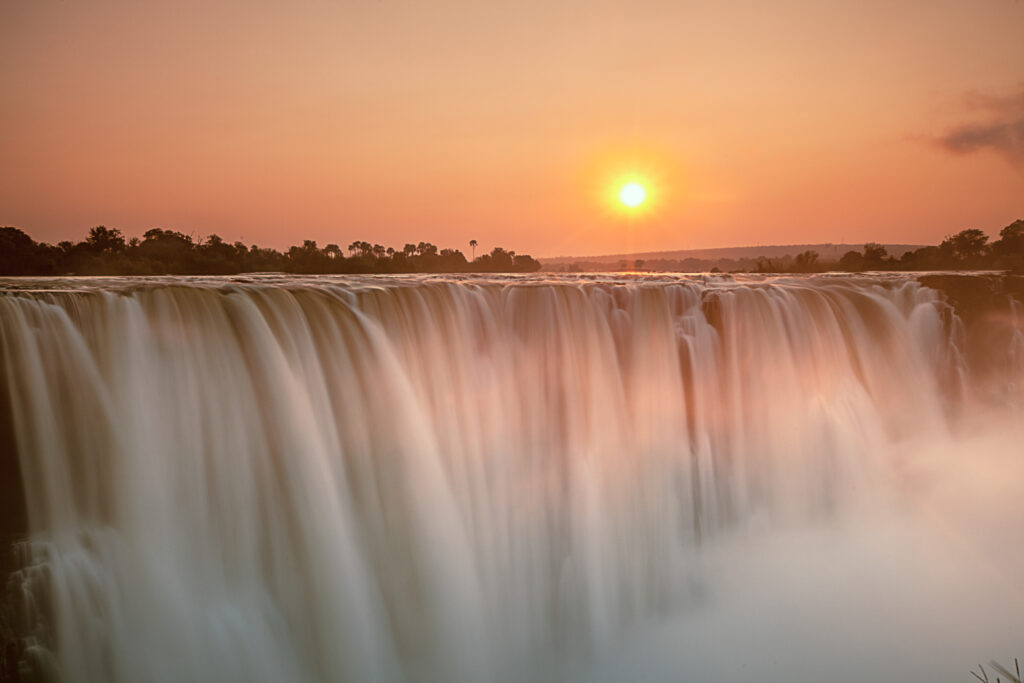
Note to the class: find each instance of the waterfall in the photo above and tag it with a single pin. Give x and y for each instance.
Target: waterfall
(444, 479)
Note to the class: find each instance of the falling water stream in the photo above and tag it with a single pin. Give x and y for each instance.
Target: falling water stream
(465, 479)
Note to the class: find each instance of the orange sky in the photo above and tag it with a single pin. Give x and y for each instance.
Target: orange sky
(399, 121)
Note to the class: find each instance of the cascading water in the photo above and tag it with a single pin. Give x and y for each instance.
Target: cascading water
(374, 479)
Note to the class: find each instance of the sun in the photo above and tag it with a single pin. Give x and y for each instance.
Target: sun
(632, 195)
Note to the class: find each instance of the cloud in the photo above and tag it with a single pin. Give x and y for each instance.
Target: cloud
(1000, 128)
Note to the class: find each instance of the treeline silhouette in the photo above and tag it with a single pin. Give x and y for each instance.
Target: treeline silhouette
(106, 251)
(967, 250)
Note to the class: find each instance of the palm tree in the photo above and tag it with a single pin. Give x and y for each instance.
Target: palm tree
(472, 245)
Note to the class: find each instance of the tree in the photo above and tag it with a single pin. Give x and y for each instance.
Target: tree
(806, 262)
(452, 260)
(159, 252)
(104, 240)
(497, 261)
(925, 258)
(1011, 239)
(21, 255)
(167, 252)
(852, 262)
(966, 245)
(472, 245)
(874, 255)
(216, 257)
(524, 263)
(360, 248)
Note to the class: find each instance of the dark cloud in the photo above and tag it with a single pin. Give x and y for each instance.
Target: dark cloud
(1000, 128)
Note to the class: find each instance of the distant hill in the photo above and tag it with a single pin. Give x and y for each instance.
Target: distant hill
(725, 258)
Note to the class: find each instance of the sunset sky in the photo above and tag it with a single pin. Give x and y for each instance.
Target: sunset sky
(513, 123)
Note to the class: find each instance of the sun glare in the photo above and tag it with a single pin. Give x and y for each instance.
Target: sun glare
(632, 195)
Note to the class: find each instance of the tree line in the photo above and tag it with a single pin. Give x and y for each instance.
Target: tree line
(966, 250)
(106, 251)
